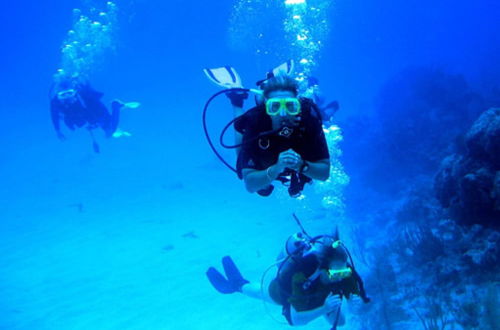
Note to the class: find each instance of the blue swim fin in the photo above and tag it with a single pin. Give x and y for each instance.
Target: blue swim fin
(225, 77)
(219, 282)
(233, 274)
(234, 281)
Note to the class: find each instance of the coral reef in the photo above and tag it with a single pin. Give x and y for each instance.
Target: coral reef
(428, 271)
(420, 115)
(468, 183)
(429, 182)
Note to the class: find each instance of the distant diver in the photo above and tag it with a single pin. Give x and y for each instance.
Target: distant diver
(72, 99)
(78, 105)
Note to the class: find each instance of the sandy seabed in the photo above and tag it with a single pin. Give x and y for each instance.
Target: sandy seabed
(103, 246)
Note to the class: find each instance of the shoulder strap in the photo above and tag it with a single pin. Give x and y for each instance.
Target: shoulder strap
(312, 108)
(362, 292)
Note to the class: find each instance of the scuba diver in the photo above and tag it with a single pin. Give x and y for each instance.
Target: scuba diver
(281, 138)
(78, 104)
(314, 275)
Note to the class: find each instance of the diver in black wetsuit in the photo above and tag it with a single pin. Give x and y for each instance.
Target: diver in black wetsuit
(281, 138)
(314, 276)
(78, 104)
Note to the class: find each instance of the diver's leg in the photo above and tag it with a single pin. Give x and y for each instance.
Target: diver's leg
(95, 145)
(110, 122)
(233, 282)
(254, 290)
(116, 106)
(69, 123)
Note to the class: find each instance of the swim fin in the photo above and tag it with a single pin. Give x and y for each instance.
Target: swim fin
(132, 105)
(118, 133)
(219, 282)
(234, 281)
(225, 77)
(117, 104)
(284, 69)
(233, 273)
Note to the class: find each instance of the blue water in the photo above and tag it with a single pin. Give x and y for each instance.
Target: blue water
(121, 239)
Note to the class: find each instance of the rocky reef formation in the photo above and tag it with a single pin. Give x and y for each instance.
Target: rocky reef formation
(468, 183)
(429, 177)
(419, 115)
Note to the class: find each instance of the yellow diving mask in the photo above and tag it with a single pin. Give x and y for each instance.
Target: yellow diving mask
(339, 274)
(283, 106)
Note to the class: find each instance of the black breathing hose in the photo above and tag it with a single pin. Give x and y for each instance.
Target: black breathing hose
(205, 129)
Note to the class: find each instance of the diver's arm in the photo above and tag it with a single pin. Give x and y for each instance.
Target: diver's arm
(319, 170)
(332, 304)
(259, 179)
(256, 180)
(304, 317)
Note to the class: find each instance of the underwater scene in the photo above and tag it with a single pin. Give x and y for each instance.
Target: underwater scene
(250, 164)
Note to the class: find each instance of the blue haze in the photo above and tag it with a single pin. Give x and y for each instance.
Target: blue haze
(161, 49)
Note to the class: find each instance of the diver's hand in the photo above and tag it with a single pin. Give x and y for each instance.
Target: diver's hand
(60, 136)
(289, 159)
(355, 301)
(332, 302)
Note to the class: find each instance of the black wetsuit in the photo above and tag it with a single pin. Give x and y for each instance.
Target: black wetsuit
(87, 108)
(259, 151)
(292, 286)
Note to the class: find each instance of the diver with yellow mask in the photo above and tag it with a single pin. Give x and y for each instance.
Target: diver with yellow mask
(280, 139)
(314, 275)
